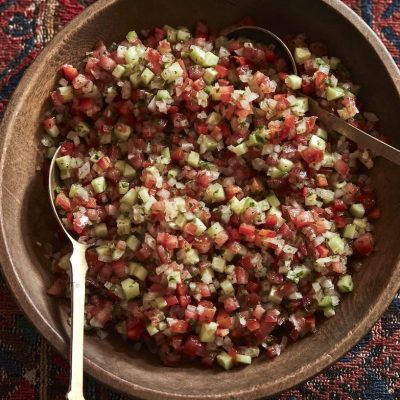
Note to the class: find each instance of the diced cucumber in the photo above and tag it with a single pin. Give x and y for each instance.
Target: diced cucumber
(285, 165)
(131, 36)
(123, 225)
(298, 273)
(172, 73)
(63, 163)
(130, 288)
(300, 106)
(82, 128)
(273, 200)
(329, 312)
(240, 149)
(357, 210)
(163, 95)
(132, 56)
(214, 193)
(215, 229)
(326, 301)
(64, 262)
(328, 160)
(301, 54)
(228, 255)
(207, 332)
(263, 205)
(118, 71)
(133, 242)
(66, 92)
(225, 360)
(293, 82)
(183, 35)
(311, 199)
(207, 143)
(345, 284)
(99, 184)
(218, 264)
(327, 196)
(122, 131)
(210, 75)
(275, 172)
(173, 278)
(336, 244)
(146, 76)
(275, 296)
(200, 57)
(200, 227)
(171, 33)
(210, 59)
(253, 140)
(317, 143)
(165, 156)
(123, 187)
(152, 330)
(333, 93)
(104, 253)
(129, 172)
(214, 118)
(137, 270)
(188, 256)
(117, 254)
(243, 359)
(207, 276)
(193, 159)
(130, 197)
(350, 231)
(160, 302)
(120, 165)
(134, 78)
(100, 230)
(322, 133)
(144, 194)
(227, 287)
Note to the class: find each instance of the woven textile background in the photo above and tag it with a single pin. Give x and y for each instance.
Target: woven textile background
(31, 369)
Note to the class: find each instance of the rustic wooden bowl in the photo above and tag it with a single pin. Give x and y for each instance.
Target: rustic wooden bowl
(26, 217)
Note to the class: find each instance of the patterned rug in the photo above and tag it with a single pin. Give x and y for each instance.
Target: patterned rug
(31, 369)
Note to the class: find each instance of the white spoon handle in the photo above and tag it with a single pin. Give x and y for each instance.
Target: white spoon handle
(79, 268)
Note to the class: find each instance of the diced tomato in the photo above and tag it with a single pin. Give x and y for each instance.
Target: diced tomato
(69, 72)
(364, 244)
(252, 325)
(304, 218)
(120, 268)
(63, 201)
(193, 347)
(242, 276)
(179, 326)
(341, 167)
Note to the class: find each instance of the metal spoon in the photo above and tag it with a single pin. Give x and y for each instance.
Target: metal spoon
(331, 121)
(78, 275)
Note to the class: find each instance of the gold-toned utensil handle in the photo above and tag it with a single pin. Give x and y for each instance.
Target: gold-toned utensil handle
(79, 268)
(358, 136)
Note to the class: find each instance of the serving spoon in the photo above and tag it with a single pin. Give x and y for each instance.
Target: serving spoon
(79, 268)
(331, 121)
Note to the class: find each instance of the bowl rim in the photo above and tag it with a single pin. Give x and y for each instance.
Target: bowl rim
(58, 342)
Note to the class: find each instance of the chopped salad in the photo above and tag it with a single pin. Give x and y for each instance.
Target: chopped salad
(225, 219)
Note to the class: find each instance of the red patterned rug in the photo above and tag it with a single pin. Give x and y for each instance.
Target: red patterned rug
(30, 368)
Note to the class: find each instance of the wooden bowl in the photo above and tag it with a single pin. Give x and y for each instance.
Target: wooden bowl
(26, 217)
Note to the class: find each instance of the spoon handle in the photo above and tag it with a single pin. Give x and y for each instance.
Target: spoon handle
(358, 136)
(79, 268)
